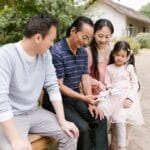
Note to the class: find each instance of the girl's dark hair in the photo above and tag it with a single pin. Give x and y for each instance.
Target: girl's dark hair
(78, 24)
(40, 23)
(122, 45)
(99, 24)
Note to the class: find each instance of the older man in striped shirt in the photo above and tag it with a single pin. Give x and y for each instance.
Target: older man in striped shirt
(70, 61)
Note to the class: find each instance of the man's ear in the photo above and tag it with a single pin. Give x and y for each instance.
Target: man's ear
(73, 30)
(37, 38)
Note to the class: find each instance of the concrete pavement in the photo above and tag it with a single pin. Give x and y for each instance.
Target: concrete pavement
(141, 135)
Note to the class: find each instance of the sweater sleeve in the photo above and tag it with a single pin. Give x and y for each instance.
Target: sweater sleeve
(51, 82)
(5, 78)
(134, 82)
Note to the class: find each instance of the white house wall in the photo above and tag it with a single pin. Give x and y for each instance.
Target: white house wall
(99, 10)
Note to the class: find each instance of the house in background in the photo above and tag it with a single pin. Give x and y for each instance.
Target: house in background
(126, 21)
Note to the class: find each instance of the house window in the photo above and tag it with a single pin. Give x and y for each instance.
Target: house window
(131, 30)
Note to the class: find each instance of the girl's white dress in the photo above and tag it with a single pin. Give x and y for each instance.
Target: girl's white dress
(124, 84)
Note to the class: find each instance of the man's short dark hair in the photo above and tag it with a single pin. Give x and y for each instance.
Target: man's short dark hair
(39, 24)
(78, 24)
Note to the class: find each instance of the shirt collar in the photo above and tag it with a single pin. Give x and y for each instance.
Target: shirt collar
(66, 47)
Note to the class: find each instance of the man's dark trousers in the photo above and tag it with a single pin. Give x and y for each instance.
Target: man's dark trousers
(93, 132)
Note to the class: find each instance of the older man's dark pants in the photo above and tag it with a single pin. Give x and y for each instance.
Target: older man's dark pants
(93, 132)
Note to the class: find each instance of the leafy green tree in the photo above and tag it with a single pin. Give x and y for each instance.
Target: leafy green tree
(15, 13)
(145, 10)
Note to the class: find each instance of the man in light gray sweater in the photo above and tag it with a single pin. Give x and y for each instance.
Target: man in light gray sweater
(25, 68)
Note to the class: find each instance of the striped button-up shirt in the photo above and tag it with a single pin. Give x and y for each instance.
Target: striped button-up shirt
(68, 66)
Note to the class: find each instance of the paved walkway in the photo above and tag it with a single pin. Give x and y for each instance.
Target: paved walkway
(141, 135)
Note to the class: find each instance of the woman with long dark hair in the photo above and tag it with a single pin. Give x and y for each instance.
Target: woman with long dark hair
(98, 53)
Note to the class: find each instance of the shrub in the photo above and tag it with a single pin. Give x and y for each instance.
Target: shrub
(144, 39)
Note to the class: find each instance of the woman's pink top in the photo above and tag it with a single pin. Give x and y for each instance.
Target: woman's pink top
(102, 63)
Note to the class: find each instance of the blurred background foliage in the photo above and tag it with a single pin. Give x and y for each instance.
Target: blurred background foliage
(145, 10)
(15, 13)
(143, 39)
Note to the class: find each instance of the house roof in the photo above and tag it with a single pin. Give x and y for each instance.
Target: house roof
(126, 11)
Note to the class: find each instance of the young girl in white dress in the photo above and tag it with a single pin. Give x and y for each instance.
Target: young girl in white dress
(120, 102)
